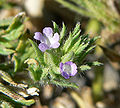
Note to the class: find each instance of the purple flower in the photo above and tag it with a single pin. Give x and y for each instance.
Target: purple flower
(68, 69)
(48, 39)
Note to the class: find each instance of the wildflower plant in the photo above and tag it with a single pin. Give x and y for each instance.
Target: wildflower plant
(57, 58)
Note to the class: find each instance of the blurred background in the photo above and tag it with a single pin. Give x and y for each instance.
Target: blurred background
(99, 87)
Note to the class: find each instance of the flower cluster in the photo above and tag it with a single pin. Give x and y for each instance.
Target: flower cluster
(49, 40)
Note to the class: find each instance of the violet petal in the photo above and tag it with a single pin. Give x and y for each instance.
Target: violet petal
(65, 75)
(69, 63)
(74, 69)
(43, 47)
(61, 66)
(48, 32)
(38, 36)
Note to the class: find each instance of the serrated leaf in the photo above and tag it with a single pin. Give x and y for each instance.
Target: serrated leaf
(5, 51)
(39, 54)
(85, 67)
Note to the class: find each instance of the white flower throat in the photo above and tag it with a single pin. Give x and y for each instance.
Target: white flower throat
(49, 40)
(67, 68)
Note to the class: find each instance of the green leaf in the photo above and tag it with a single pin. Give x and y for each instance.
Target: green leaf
(34, 68)
(86, 52)
(32, 73)
(39, 54)
(56, 28)
(67, 57)
(5, 51)
(85, 67)
(14, 34)
(67, 43)
(94, 39)
(75, 46)
(75, 42)
(63, 31)
(49, 60)
(28, 52)
(81, 48)
(85, 38)
(76, 29)
(44, 74)
(76, 36)
(64, 83)
(96, 63)
(17, 21)
(16, 63)
(7, 44)
(6, 22)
